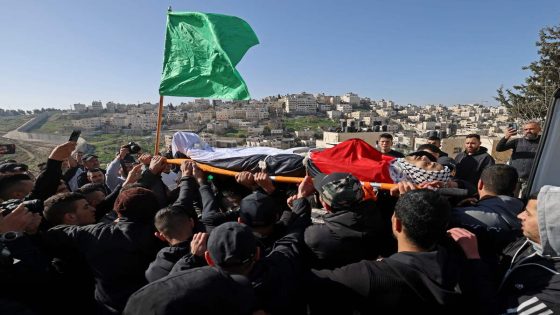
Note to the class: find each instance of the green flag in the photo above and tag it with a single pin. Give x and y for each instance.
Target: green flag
(201, 52)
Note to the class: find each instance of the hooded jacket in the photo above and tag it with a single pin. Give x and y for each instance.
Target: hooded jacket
(404, 283)
(470, 167)
(346, 236)
(531, 282)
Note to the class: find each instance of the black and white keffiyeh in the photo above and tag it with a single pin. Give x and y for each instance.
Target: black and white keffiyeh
(401, 170)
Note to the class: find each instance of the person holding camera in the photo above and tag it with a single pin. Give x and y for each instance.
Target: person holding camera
(523, 150)
(118, 169)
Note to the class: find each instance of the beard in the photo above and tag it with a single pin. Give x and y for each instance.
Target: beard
(531, 136)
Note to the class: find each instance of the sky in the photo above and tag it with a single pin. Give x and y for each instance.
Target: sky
(57, 53)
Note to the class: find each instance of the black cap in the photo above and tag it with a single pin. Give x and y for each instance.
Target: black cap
(447, 161)
(258, 209)
(338, 190)
(433, 138)
(88, 157)
(231, 244)
(423, 153)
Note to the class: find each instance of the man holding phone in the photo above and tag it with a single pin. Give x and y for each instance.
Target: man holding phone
(523, 150)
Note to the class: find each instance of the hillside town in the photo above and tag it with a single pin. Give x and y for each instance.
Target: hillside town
(264, 122)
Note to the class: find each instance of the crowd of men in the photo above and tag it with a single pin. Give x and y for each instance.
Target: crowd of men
(146, 237)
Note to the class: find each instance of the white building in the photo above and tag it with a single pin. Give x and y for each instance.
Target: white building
(205, 115)
(334, 114)
(96, 106)
(324, 107)
(345, 108)
(255, 130)
(89, 123)
(146, 122)
(119, 120)
(80, 107)
(350, 98)
(111, 107)
(359, 115)
(175, 117)
(223, 115)
(303, 103)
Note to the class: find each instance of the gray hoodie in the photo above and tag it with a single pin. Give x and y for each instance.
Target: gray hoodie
(548, 211)
(531, 284)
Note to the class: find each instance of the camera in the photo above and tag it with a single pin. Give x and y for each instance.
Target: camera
(133, 147)
(34, 206)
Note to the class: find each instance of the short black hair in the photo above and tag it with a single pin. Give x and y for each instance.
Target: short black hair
(170, 221)
(386, 136)
(91, 187)
(473, 135)
(532, 196)
(425, 215)
(10, 183)
(94, 170)
(434, 138)
(500, 179)
(58, 205)
(430, 147)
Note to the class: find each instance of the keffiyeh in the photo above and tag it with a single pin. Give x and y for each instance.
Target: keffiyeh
(401, 170)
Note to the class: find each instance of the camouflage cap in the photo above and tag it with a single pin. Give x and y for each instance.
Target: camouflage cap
(339, 190)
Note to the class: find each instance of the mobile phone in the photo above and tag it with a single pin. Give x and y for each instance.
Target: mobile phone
(75, 135)
(7, 148)
(513, 126)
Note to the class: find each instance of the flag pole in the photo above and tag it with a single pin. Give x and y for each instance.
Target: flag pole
(158, 130)
(160, 113)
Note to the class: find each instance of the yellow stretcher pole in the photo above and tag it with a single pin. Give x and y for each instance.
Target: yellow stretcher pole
(281, 179)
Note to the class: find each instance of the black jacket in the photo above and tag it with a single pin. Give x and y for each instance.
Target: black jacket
(494, 221)
(155, 184)
(188, 195)
(470, 167)
(205, 290)
(117, 253)
(213, 217)
(404, 283)
(278, 277)
(345, 237)
(523, 153)
(530, 280)
(107, 204)
(27, 287)
(48, 181)
(166, 259)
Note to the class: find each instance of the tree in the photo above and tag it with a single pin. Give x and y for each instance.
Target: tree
(266, 131)
(531, 99)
